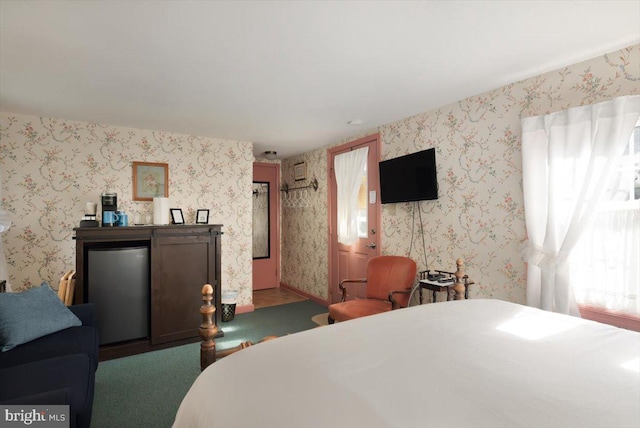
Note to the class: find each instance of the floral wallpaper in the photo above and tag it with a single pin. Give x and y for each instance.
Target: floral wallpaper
(51, 167)
(479, 215)
(304, 248)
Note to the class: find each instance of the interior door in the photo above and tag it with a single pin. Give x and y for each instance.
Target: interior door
(265, 230)
(350, 261)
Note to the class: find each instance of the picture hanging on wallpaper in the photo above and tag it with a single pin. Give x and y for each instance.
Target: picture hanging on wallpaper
(202, 217)
(300, 171)
(176, 216)
(150, 180)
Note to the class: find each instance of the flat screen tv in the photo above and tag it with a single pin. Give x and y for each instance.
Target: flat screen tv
(409, 178)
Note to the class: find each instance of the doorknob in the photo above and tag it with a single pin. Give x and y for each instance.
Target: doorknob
(372, 245)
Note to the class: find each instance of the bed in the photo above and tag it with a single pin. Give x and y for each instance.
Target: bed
(463, 363)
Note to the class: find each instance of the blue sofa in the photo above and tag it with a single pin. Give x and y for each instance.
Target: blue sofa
(55, 369)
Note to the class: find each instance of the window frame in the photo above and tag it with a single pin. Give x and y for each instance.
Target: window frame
(600, 314)
(630, 322)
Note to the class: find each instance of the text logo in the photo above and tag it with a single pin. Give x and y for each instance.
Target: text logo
(34, 416)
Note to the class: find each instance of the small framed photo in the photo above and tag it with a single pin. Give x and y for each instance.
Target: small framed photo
(149, 180)
(176, 216)
(202, 217)
(300, 171)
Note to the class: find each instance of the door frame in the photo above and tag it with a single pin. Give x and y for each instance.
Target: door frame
(273, 222)
(375, 138)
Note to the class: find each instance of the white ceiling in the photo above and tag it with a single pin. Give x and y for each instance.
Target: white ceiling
(286, 75)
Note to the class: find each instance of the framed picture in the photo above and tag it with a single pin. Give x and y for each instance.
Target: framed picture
(176, 216)
(202, 217)
(300, 171)
(149, 180)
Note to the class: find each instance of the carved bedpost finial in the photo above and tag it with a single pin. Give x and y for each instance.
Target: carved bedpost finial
(208, 328)
(459, 287)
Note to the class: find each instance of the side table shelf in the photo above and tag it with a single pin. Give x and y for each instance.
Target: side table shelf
(455, 284)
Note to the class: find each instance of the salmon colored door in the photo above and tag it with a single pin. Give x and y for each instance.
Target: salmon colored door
(265, 229)
(350, 261)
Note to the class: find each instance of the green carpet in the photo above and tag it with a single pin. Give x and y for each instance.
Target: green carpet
(146, 390)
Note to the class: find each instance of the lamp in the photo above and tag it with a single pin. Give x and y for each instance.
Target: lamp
(271, 154)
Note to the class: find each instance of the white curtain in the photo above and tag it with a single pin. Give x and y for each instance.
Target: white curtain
(5, 224)
(349, 168)
(568, 158)
(606, 262)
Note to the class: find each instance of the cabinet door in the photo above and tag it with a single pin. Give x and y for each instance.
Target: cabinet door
(181, 265)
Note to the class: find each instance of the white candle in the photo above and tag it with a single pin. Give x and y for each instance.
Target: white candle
(160, 211)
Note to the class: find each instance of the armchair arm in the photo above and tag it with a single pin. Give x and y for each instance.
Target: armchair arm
(394, 304)
(86, 313)
(55, 397)
(344, 289)
(69, 378)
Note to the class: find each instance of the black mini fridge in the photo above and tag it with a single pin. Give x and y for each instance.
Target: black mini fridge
(118, 284)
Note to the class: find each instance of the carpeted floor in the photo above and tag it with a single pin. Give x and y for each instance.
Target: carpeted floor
(146, 390)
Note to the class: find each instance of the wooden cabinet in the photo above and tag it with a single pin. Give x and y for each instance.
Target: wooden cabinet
(182, 259)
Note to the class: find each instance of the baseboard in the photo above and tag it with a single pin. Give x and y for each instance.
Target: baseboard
(245, 308)
(311, 297)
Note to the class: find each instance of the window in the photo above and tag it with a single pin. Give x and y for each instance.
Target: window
(363, 207)
(349, 168)
(579, 165)
(605, 264)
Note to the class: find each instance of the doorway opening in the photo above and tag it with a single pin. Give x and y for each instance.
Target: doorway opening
(266, 226)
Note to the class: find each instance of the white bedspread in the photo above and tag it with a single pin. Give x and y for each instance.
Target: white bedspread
(470, 363)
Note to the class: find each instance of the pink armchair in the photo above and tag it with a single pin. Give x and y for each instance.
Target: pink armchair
(387, 276)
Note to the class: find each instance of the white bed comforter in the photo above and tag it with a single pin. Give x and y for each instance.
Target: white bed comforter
(470, 363)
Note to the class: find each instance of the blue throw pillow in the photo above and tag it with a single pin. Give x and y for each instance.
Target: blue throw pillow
(31, 314)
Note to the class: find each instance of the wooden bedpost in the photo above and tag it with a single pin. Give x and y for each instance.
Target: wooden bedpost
(208, 328)
(459, 286)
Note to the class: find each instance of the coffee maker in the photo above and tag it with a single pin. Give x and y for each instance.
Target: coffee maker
(89, 217)
(109, 208)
